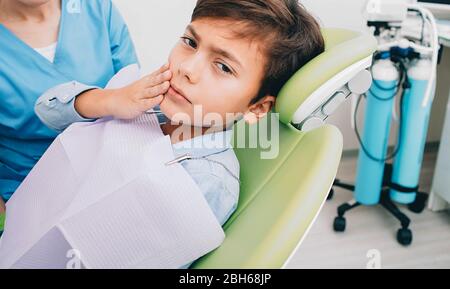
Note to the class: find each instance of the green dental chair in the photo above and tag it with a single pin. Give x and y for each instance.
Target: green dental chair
(281, 197)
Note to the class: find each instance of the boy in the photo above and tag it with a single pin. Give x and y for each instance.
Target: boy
(234, 57)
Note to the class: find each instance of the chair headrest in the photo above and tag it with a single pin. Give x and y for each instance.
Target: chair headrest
(343, 48)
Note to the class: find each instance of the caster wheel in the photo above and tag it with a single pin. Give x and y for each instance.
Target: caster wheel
(419, 204)
(339, 224)
(330, 195)
(404, 237)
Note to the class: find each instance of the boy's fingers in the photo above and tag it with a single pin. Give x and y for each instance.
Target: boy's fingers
(167, 75)
(160, 70)
(158, 79)
(150, 103)
(163, 68)
(157, 90)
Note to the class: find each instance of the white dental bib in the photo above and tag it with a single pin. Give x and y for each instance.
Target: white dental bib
(102, 196)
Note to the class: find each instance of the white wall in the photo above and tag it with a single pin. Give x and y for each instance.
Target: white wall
(156, 25)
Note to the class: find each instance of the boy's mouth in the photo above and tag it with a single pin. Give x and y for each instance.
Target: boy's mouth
(177, 94)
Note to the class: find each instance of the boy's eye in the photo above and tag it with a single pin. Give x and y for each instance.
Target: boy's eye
(189, 41)
(224, 68)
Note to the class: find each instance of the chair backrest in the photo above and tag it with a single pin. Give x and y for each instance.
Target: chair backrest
(343, 48)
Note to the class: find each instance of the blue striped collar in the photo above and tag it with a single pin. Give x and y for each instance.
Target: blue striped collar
(204, 145)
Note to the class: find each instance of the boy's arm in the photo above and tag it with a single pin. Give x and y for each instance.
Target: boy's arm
(73, 102)
(128, 102)
(56, 107)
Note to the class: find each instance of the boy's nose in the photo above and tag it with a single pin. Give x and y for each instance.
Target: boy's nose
(191, 69)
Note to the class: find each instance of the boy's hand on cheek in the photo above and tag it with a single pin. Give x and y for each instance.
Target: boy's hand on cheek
(133, 100)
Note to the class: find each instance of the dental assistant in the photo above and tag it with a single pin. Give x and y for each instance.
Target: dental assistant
(44, 44)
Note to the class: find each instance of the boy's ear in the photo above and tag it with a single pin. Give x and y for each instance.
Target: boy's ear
(259, 110)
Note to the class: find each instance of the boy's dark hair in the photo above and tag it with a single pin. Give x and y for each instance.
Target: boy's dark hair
(290, 36)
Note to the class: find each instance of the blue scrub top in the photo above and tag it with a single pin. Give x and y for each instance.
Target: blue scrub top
(93, 45)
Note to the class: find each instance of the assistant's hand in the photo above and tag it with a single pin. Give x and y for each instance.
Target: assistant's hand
(128, 102)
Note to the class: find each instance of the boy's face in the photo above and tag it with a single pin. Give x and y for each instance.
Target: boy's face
(217, 71)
